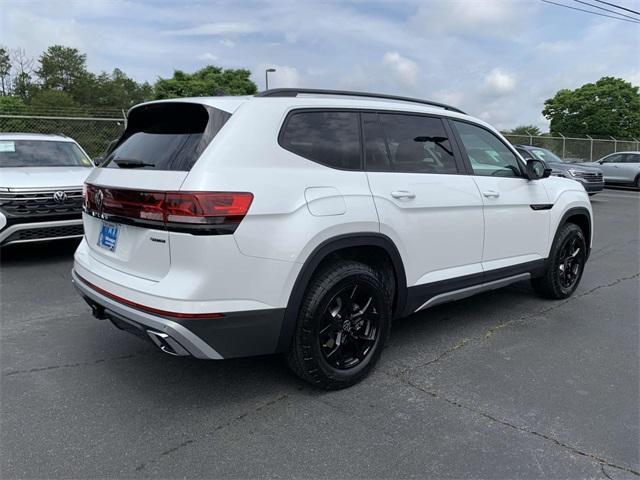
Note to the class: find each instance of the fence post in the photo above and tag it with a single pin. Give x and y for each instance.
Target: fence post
(615, 144)
(124, 117)
(530, 137)
(637, 144)
(591, 149)
(564, 144)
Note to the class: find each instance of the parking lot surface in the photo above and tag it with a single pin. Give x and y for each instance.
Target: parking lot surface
(501, 385)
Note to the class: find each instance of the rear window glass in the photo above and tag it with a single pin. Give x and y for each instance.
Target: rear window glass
(41, 153)
(329, 138)
(166, 136)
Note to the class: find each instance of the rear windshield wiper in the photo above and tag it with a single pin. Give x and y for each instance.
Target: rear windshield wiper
(127, 163)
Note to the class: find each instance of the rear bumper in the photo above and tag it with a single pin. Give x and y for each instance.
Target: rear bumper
(235, 334)
(41, 231)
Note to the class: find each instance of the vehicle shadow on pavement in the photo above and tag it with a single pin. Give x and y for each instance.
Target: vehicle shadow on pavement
(26, 254)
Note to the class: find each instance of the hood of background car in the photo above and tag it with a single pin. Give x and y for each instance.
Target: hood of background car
(43, 177)
(575, 166)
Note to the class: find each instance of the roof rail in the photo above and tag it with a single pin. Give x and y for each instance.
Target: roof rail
(294, 92)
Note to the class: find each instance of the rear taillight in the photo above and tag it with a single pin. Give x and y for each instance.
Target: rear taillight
(192, 212)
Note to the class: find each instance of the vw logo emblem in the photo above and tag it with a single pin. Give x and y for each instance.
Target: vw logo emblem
(97, 198)
(60, 196)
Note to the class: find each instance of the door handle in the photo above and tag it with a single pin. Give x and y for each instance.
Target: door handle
(491, 194)
(403, 194)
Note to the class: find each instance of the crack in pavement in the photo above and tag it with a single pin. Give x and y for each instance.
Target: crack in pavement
(495, 328)
(217, 428)
(523, 429)
(75, 365)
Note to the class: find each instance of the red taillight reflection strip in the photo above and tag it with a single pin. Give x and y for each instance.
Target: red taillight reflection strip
(217, 209)
(148, 309)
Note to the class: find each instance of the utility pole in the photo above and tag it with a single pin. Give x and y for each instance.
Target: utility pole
(266, 77)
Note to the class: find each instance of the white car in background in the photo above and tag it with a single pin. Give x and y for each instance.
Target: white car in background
(621, 168)
(41, 178)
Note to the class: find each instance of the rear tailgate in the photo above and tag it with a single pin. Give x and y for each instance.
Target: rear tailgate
(125, 226)
(136, 250)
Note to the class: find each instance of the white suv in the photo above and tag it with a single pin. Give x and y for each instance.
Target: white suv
(41, 179)
(303, 222)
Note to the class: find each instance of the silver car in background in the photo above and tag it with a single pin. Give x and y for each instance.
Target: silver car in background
(621, 168)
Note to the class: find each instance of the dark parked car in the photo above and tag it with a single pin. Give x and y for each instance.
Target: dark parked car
(589, 176)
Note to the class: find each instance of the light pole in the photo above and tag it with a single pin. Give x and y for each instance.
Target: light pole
(266, 77)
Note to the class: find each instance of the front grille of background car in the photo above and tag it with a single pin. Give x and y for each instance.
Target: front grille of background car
(45, 233)
(40, 203)
(589, 176)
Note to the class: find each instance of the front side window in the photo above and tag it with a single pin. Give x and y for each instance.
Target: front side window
(414, 144)
(41, 153)
(328, 138)
(487, 154)
(612, 159)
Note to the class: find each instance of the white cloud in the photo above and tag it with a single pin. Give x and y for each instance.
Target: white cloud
(499, 82)
(284, 76)
(404, 70)
(451, 97)
(227, 43)
(208, 56)
(473, 17)
(217, 28)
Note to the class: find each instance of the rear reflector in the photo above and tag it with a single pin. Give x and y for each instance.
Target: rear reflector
(192, 212)
(144, 308)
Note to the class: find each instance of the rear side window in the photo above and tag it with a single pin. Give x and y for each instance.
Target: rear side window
(414, 144)
(166, 136)
(329, 138)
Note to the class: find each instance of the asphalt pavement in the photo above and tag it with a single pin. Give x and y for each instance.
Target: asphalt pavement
(501, 385)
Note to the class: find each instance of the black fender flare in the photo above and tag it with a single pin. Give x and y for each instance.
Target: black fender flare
(318, 255)
(572, 212)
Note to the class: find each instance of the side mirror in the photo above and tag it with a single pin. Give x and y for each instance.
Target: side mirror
(97, 161)
(536, 169)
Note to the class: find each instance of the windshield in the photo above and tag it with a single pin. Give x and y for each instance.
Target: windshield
(41, 153)
(546, 155)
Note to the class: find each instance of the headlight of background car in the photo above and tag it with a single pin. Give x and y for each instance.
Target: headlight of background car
(573, 172)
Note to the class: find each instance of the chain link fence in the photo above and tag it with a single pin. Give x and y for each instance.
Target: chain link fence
(92, 133)
(95, 132)
(574, 149)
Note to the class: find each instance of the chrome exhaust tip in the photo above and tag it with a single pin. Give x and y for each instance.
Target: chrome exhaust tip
(167, 344)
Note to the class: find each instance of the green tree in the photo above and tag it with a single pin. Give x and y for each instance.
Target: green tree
(206, 82)
(525, 130)
(611, 106)
(117, 90)
(52, 101)
(5, 70)
(61, 68)
(22, 68)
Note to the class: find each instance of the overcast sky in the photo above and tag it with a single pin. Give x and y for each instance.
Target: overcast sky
(496, 59)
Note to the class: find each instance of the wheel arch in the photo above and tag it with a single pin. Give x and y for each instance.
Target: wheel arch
(325, 250)
(581, 217)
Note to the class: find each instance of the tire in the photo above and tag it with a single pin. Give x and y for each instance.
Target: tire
(340, 333)
(637, 182)
(565, 265)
